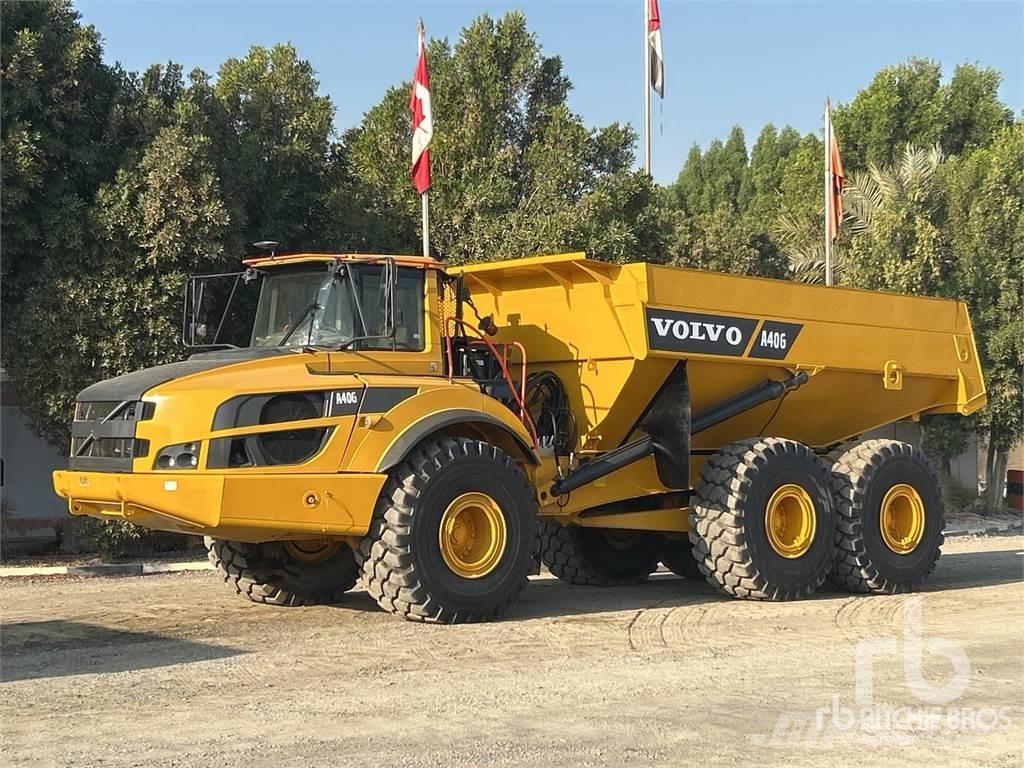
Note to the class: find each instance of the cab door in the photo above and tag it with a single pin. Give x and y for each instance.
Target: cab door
(417, 347)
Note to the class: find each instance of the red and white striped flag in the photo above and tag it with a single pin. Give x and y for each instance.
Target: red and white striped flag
(422, 119)
(657, 73)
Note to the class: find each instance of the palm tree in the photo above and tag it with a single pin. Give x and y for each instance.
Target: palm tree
(911, 182)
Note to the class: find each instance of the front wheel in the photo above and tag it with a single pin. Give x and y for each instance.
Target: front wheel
(285, 572)
(453, 536)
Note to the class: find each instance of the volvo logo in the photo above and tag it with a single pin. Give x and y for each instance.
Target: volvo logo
(698, 331)
(674, 331)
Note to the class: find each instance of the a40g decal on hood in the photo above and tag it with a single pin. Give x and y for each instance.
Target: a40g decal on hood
(674, 331)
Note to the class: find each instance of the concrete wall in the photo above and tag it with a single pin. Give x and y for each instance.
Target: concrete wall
(1015, 458)
(965, 467)
(34, 512)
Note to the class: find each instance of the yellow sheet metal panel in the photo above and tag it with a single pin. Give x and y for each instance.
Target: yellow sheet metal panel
(185, 407)
(840, 330)
(372, 440)
(332, 505)
(580, 319)
(629, 482)
(207, 504)
(665, 520)
(191, 501)
(612, 333)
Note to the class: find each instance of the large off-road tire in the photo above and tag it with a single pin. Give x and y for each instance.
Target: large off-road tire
(285, 573)
(891, 516)
(763, 520)
(677, 555)
(453, 535)
(599, 556)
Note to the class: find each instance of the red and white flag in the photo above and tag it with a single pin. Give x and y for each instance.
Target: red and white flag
(422, 119)
(657, 73)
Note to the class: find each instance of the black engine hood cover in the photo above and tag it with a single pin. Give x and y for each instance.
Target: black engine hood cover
(132, 386)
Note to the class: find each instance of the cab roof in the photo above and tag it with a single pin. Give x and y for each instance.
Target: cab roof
(264, 262)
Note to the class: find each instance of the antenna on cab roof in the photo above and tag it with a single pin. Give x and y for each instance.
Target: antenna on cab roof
(267, 245)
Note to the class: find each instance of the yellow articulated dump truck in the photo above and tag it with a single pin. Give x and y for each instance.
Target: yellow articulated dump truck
(436, 431)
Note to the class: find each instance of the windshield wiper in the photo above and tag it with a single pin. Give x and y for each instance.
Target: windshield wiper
(313, 306)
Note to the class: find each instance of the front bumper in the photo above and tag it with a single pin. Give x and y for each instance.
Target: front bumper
(247, 507)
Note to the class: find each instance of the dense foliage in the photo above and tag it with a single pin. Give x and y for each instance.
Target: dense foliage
(116, 185)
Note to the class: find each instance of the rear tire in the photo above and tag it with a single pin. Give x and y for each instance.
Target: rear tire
(269, 573)
(453, 536)
(763, 521)
(678, 557)
(897, 557)
(598, 556)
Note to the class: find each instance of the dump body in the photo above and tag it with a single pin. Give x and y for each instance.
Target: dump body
(613, 333)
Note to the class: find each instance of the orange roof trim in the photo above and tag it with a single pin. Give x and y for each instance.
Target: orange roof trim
(420, 262)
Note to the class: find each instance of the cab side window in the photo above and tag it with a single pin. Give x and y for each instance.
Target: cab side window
(408, 309)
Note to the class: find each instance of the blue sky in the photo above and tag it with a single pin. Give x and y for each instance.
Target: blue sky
(727, 63)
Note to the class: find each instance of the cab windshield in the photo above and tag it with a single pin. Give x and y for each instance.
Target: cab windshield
(313, 307)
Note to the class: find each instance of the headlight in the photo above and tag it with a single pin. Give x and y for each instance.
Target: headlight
(180, 456)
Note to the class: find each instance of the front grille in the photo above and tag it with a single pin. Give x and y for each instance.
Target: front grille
(109, 447)
(130, 410)
(103, 435)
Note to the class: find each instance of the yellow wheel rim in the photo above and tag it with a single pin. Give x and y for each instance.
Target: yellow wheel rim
(790, 522)
(311, 551)
(902, 519)
(472, 535)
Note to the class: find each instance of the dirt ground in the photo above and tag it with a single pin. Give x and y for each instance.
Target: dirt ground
(176, 670)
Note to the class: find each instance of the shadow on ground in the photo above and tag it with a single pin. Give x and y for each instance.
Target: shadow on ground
(550, 598)
(964, 570)
(39, 649)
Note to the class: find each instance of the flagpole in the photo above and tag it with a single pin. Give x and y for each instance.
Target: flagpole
(828, 191)
(647, 89)
(425, 201)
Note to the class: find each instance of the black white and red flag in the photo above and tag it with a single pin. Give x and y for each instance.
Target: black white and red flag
(657, 73)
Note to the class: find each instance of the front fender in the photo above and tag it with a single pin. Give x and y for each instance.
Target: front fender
(447, 409)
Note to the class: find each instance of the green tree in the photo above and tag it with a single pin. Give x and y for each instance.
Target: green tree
(117, 306)
(760, 195)
(716, 177)
(901, 105)
(515, 172)
(690, 188)
(909, 104)
(117, 185)
(55, 101)
(273, 134)
(722, 241)
(986, 224)
(972, 114)
(897, 218)
(893, 236)
(800, 180)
